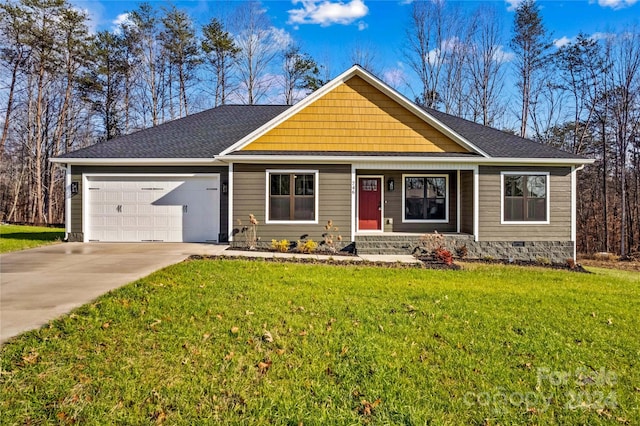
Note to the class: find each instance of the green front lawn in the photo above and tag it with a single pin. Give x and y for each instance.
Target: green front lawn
(19, 237)
(253, 342)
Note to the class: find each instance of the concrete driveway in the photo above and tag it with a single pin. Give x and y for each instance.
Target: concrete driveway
(41, 284)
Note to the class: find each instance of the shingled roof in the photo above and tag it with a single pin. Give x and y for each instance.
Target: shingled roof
(208, 133)
(496, 143)
(201, 135)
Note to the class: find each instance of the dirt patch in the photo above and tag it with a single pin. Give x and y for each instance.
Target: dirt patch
(623, 265)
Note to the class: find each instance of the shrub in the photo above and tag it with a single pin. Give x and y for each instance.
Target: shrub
(541, 260)
(250, 232)
(306, 246)
(429, 242)
(281, 246)
(462, 251)
(329, 239)
(443, 255)
(571, 263)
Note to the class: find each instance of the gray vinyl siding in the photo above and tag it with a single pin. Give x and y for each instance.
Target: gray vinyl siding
(466, 201)
(78, 171)
(393, 201)
(334, 203)
(559, 227)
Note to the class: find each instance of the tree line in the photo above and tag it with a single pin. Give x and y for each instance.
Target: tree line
(65, 88)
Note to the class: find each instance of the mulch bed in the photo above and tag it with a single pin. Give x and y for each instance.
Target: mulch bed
(560, 266)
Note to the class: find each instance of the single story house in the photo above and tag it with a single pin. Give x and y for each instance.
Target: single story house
(355, 152)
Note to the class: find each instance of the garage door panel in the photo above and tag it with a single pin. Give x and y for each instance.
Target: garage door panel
(153, 208)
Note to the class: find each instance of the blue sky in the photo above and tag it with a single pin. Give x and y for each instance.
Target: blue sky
(329, 30)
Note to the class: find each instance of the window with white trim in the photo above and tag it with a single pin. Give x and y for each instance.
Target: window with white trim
(525, 197)
(426, 198)
(292, 196)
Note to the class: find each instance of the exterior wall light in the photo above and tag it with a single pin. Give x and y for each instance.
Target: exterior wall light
(391, 185)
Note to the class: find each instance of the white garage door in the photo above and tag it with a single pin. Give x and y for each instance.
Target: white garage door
(172, 209)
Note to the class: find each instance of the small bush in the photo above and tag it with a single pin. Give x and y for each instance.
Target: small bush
(250, 232)
(571, 263)
(443, 255)
(331, 240)
(281, 246)
(307, 246)
(541, 260)
(462, 251)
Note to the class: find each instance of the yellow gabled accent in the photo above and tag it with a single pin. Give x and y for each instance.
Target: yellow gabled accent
(355, 117)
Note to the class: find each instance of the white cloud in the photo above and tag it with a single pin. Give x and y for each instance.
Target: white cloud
(562, 41)
(601, 36)
(362, 26)
(513, 4)
(116, 24)
(617, 4)
(501, 56)
(281, 37)
(327, 13)
(395, 77)
(436, 56)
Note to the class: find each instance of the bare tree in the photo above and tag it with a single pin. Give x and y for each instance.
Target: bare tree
(145, 29)
(437, 40)
(581, 65)
(259, 47)
(624, 103)
(530, 46)
(486, 68)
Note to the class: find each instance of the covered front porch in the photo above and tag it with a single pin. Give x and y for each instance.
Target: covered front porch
(394, 207)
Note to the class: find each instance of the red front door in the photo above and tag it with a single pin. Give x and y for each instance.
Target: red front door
(369, 203)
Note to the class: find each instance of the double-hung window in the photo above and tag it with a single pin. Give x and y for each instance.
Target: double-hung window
(426, 198)
(525, 197)
(292, 196)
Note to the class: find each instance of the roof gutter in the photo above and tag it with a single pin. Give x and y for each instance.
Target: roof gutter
(395, 159)
(137, 161)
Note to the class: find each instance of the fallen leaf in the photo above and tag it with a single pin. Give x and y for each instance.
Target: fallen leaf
(32, 358)
(228, 356)
(303, 333)
(267, 337)
(263, 367)
(234, 330)
(105, 325)
(280, 351)
(610, 321)
(344, 351)
(367, 408)
(248, 313)
(206, 336)
(219, 316)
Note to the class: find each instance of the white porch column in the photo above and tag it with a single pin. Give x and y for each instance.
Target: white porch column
(573, 211)
(230, 201)
(458, 208)
(353, 202)
(476, 202)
